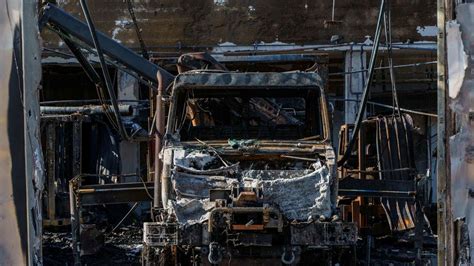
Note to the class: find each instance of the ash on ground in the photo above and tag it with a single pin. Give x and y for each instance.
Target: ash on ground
(122, 247)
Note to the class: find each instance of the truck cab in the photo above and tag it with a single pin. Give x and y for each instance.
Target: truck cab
(248, 172)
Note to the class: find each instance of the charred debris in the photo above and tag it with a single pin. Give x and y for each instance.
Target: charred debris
(191, 160)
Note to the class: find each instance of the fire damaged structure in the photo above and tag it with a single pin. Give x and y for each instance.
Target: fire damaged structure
(243, 166)
(379, 186)
(292, 146)
(240, 165)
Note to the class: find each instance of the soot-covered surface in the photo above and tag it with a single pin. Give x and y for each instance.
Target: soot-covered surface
(122, 247)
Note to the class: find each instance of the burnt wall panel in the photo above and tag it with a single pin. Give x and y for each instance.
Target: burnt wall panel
(208, 22)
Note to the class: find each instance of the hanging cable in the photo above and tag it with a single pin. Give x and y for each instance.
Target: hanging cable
(384, 67)
(365, 94)
(137, 30)
(90, 72)
(388, 39)
(403, 110)
(124, 217)
(105, 71)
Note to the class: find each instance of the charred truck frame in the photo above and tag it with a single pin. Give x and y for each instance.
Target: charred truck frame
(245, 177)
(251, 178)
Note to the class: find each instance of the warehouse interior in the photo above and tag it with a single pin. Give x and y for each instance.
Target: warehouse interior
(219, 132)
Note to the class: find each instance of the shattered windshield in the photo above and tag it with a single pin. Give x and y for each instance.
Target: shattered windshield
(218, 118)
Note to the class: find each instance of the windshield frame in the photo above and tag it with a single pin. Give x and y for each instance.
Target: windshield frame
(182, 88)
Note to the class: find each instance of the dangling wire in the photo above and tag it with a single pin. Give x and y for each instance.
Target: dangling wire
(365, 94)
(388, 39)
(137, 30)
(105, 72)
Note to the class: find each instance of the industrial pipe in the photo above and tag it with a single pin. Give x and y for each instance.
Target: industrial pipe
(159, 132)
(124, 109)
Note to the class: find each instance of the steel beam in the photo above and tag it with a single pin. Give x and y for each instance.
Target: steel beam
(377, 188)
(445, 220)
(124, 109)
(114, 193)
(78, 29)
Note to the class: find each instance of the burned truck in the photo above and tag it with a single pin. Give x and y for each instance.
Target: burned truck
(243, 164)
(247, 173)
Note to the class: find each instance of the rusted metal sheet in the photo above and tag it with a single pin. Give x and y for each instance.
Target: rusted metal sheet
(396, 162)
(203, 80)
(62, 141)
(383, 168)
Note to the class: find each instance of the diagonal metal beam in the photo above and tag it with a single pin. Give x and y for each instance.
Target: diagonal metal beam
(66, 23)
(105, 71)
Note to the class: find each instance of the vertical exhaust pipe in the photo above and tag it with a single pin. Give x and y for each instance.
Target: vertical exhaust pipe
(159, 133)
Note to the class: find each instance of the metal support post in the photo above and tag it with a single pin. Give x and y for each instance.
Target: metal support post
(75, 222)
(51, 162)
(445, 224)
